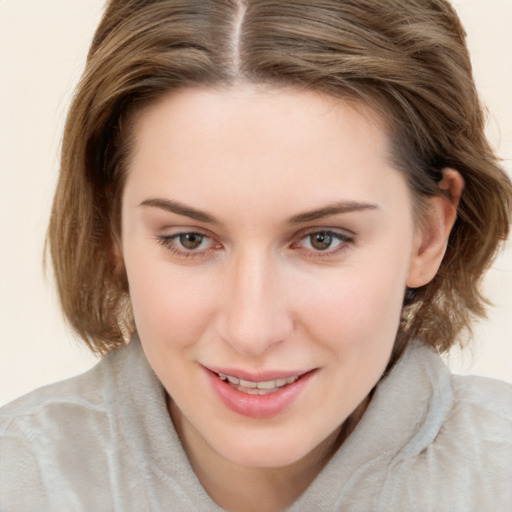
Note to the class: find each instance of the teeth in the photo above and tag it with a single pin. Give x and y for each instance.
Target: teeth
(257, 388)
(269, 384)
(256, 391)
(248, 384)
(266, 392)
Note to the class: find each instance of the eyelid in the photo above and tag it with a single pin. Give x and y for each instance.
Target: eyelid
(329, 227)
(168, 241)
(337, 232)
(177, 230)
(344, 236)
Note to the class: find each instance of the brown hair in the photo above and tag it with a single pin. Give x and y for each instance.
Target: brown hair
(406, 58)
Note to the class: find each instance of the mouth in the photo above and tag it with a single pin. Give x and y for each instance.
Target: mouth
(257, 388)
(259, 396)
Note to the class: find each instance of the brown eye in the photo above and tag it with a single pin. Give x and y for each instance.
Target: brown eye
(191, 241)
(321, 241)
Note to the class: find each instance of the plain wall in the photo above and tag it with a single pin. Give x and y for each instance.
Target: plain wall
(43, 44)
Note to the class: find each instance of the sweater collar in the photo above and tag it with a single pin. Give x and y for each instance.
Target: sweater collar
(404, 416)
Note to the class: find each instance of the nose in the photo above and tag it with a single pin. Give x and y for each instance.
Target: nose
(254, 315)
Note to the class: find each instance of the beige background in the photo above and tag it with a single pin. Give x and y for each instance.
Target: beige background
(42, 51)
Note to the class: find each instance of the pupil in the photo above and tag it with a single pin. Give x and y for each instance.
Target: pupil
(321, 241)
(191, 240)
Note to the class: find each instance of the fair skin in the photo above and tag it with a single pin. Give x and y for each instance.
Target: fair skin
(265, 234)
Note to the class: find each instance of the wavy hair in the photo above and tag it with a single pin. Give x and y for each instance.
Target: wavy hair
(407, 59)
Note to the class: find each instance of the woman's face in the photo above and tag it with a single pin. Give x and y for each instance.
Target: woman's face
(268, 242)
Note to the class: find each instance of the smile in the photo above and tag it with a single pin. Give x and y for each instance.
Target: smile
(263, 396)
(257, 388)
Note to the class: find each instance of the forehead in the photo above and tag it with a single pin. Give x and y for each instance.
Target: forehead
(255, 142)
(253, 104)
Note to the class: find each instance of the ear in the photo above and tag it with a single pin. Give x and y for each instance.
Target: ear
(116, 255)
(434, 230)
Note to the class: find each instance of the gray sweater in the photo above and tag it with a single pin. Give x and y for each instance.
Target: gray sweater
(103, 441)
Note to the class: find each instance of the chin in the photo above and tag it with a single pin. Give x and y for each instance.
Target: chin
(278, 451)
(267, 458)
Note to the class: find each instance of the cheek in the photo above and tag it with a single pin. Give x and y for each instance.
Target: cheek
(167, 305)
(359, 305)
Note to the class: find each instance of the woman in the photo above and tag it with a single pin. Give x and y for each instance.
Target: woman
(272, 216)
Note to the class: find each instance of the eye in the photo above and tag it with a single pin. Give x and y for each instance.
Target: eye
(187, 244)
(190, 241)
(324, 241)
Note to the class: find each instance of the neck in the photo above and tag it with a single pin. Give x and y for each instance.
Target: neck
(257, 489)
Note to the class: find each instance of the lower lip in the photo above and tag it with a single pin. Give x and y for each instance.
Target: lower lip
(258, 406)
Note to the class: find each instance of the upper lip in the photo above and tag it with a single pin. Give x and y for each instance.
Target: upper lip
(262, 376)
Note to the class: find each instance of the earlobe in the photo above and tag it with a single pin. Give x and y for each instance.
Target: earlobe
(434, 230)
(116, 255)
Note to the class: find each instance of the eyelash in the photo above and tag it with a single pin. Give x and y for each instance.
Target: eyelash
(345, 241)
(170, 243)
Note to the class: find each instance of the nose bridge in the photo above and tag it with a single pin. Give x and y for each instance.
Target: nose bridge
(255, 313)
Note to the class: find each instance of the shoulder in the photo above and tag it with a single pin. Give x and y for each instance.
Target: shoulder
(54, 400)
(480, 421)
(64, 400)
(458, 452)
(484, 396)
(99, 441)
(479, 424)
(46, 434)
(469, 461)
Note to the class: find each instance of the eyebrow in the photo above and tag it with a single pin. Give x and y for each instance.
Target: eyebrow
(332, 209)
(326, 211)
(180, 209)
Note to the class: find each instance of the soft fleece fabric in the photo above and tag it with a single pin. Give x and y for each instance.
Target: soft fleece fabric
(103, 441)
